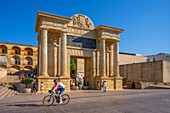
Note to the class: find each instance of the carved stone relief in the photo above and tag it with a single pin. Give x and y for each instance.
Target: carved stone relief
(53, 38)
(108, 44)
(82, 21)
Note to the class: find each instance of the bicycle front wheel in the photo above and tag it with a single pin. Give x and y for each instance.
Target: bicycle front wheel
(65, 99)
(48, 100)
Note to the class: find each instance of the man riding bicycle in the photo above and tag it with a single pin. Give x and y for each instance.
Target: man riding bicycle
(58, 86)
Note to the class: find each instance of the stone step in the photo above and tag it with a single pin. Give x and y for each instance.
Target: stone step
(5, 93)
(2, 88)
(11, 93)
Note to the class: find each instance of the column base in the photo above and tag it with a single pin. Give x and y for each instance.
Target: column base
(118, 83)
(48, 82)
(109, 82)
(66, 81)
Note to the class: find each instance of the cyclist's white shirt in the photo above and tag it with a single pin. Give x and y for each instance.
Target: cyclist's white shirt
(59, 85)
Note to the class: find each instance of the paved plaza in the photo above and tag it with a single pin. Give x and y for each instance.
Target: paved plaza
(93, 101)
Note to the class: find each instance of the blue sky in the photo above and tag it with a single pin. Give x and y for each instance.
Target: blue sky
(146, 22)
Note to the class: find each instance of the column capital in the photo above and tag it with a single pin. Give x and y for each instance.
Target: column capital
(43, 27)
(63, 34)
(102, 39)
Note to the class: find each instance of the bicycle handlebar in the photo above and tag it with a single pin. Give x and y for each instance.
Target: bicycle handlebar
(50, 91)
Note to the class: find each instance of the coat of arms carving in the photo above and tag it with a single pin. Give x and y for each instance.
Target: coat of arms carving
(82, 21)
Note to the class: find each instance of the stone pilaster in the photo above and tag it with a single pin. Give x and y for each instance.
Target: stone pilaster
(63, 52)
(55, 60)
(102, 58)
(44, 52)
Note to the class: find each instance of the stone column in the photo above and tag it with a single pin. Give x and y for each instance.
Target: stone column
(44, 52)
(97, 62)
(39, 58)
(111, 60)
(116, 59)
(107, 64)
(58, 57)
(63, 52)
(102, 58)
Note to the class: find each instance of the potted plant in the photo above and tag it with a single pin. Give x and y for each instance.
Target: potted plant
(124, 82)
(27, 81)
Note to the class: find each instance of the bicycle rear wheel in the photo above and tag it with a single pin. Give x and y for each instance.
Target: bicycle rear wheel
(65, 99)
(48, 100)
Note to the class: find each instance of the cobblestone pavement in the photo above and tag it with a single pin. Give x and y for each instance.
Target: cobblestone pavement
(93, 101)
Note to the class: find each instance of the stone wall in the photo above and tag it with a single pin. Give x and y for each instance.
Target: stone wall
(166, 71)
(130, 58)
(3, 71)
(147, 71)
(48, 82)
(80, 65)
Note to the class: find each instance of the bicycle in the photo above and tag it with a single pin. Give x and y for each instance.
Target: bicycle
(49, 99)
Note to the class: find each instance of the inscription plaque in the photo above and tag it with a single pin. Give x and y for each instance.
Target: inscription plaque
(81, 42)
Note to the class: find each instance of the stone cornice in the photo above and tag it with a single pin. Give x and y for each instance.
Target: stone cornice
(41, 15)
(108, 33)
(103, 27)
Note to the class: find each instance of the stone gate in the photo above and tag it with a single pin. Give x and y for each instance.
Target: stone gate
(60, 38)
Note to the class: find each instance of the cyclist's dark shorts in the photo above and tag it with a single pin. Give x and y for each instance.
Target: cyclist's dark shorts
(61, 90)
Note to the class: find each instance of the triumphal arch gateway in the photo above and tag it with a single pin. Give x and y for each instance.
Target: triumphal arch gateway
(60, 38)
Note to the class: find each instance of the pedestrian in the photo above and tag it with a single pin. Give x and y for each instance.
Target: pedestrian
(104, 86)
(34, 88)
(73, 85)
(80, 84)
(41, 87)
(98, 85)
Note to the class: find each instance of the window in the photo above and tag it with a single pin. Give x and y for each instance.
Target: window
(16, 52)
(29, 53)
(3, 51)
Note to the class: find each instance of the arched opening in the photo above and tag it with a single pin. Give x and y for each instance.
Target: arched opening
(28, 69)
(28, 51)
(3, 49)
(16, 50)
(29, 61)
(15, 60)
(15, 70)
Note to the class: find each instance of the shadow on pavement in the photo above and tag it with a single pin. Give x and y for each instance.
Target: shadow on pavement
(26, 105)
(157, 87)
